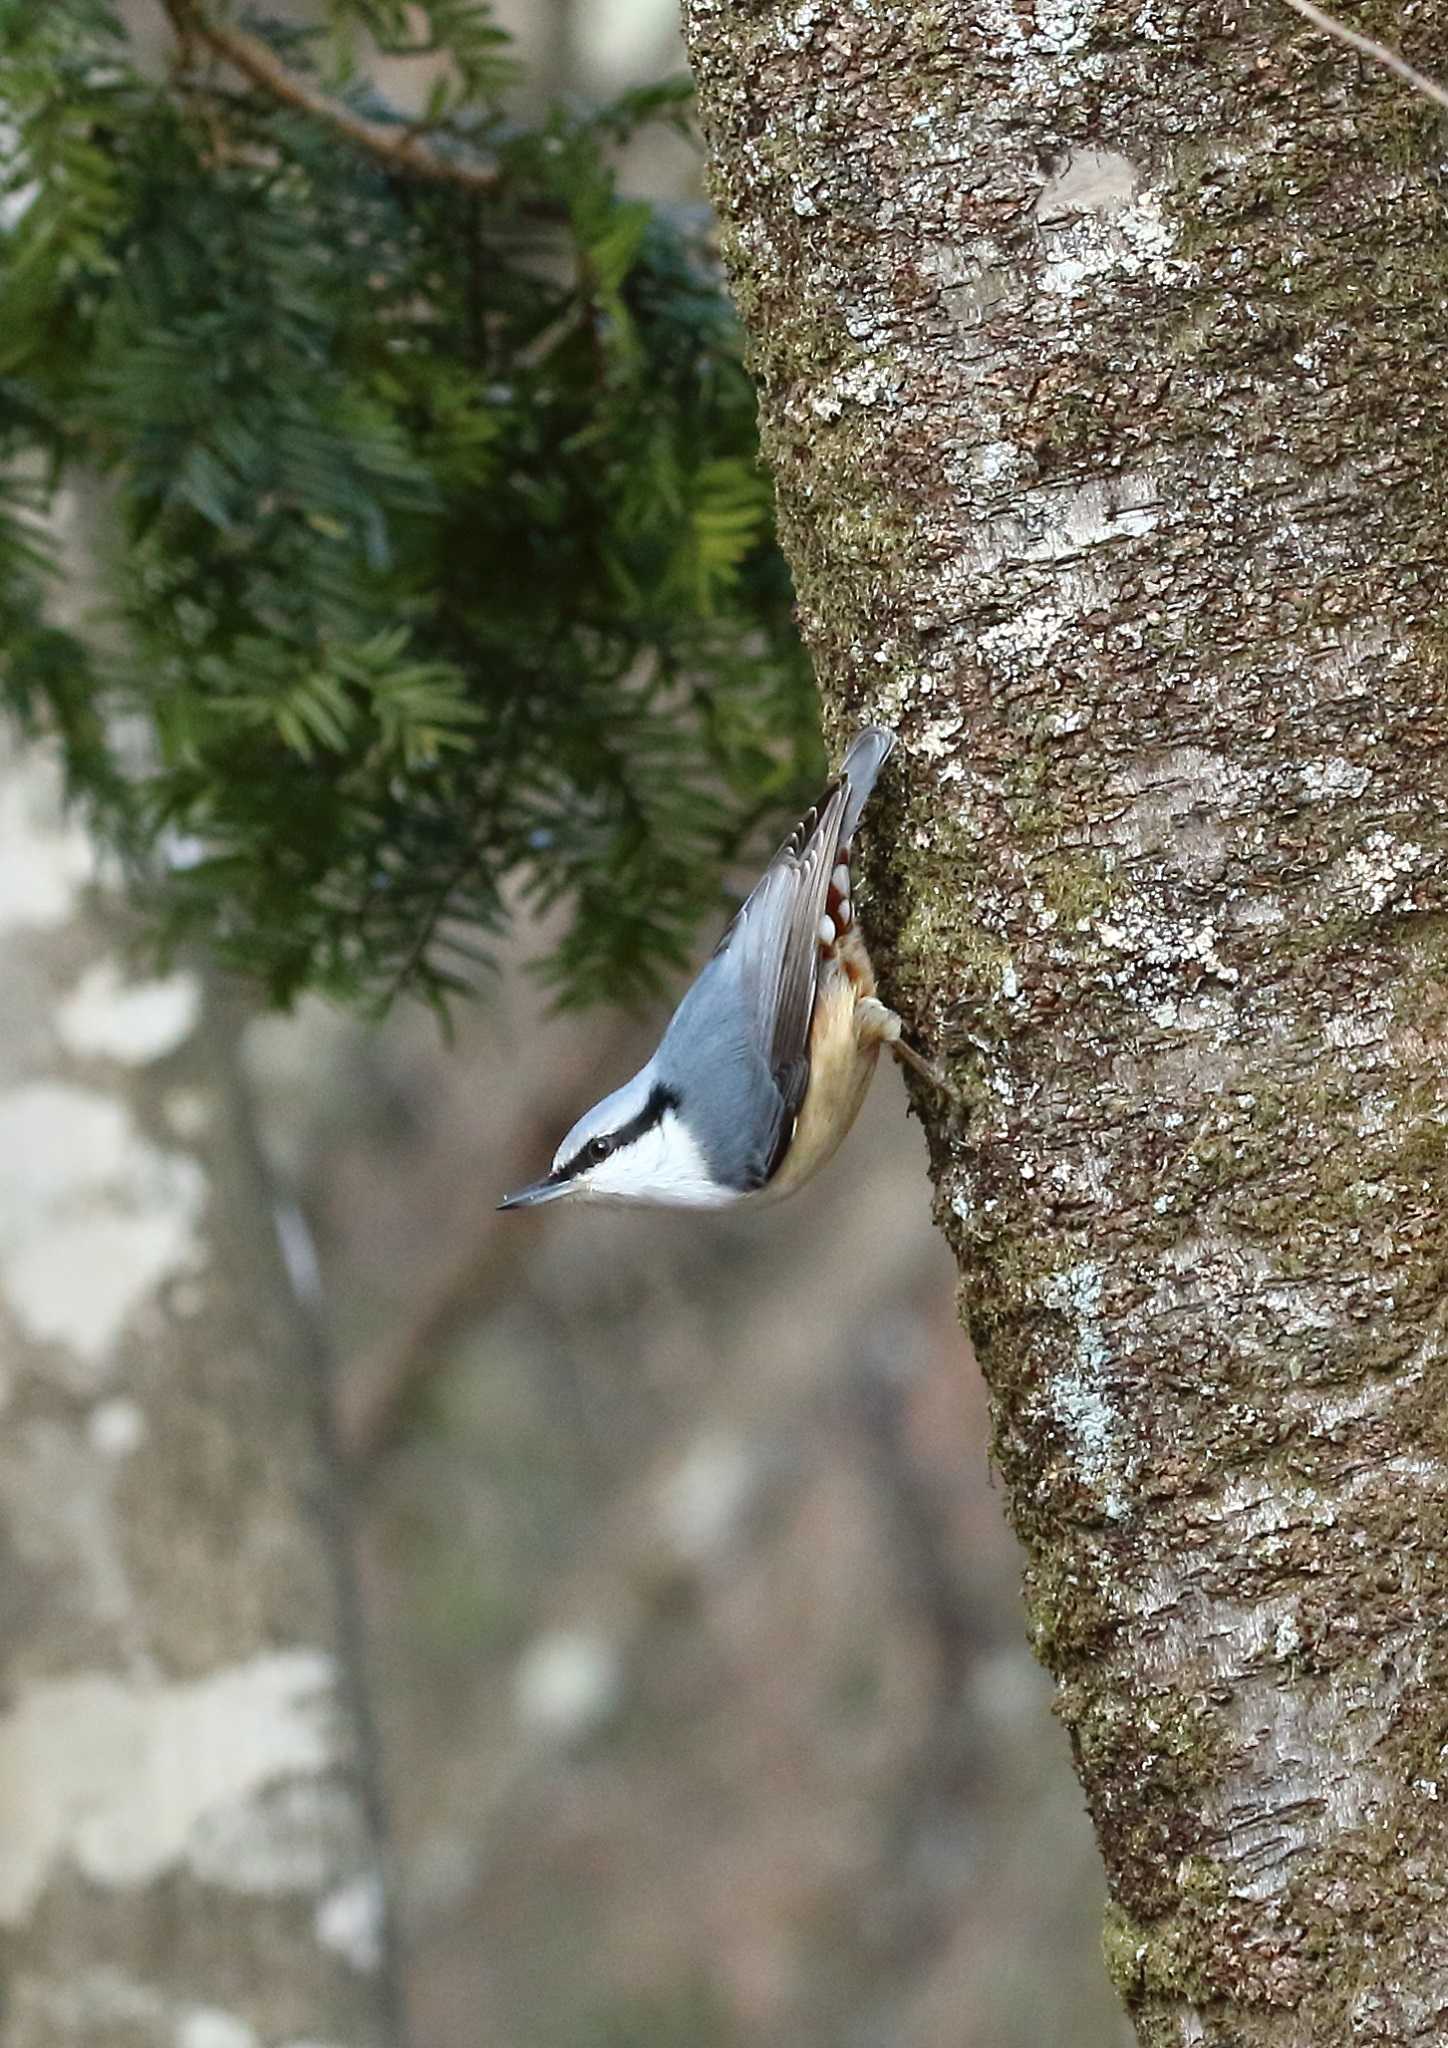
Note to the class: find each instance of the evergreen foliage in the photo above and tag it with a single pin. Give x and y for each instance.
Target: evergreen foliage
(440, 560)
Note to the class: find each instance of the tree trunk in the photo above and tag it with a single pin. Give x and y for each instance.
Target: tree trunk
(1101, 369)
(186, 1854)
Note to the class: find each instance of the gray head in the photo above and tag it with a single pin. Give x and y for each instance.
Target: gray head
(634, 1146)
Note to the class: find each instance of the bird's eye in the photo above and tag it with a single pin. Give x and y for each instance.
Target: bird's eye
(599, 1148)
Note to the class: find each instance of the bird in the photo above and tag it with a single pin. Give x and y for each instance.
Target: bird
(763, 1066)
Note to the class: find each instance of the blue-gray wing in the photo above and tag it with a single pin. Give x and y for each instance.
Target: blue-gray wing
(742, 1032)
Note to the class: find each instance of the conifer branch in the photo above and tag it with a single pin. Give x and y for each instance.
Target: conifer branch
(1366, 47)
(349, 477)
(399, 149)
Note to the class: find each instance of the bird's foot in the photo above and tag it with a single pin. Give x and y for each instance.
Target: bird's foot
(877, 1023)
(909, 1057)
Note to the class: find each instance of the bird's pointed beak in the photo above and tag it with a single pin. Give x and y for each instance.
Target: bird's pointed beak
(546, 1190)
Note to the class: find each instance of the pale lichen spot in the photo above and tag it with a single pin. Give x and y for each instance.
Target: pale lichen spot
(1286, 1637)
(106, 1017)
(1079, 1398)
(1095, 224)
(93, 1216)
(1051, 30)
(1322, 781)
(46, 858)
(1381, 868)
(1023, 641)
(938, 739)
(1078, 1291)
(797, 29)
(1165, 961)
(999, 462)
(866, 383)
(351, 1920)
(81, 1758)
(705, 1499)
(567, 1684)
(116, 1428)
(205, 2026)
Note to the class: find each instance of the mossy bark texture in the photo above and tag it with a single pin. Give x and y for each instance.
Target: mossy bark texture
(1103, 369)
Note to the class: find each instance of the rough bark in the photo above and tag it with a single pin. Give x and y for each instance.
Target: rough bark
(186, 1854)
(1101, 367)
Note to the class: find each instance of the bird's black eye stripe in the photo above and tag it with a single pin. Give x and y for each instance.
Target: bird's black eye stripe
(660, 1099)
(596, 1150)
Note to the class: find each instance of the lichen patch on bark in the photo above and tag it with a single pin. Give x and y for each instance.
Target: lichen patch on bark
(108, 1016)
(84, 1193)
(123, 1780)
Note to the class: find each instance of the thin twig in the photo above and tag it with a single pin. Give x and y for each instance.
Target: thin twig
(399, 148)
(1366, 47)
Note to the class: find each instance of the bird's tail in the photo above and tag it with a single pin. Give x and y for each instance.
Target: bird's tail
(868, 754)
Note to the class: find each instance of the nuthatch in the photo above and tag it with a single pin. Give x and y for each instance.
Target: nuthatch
(767, 1059)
